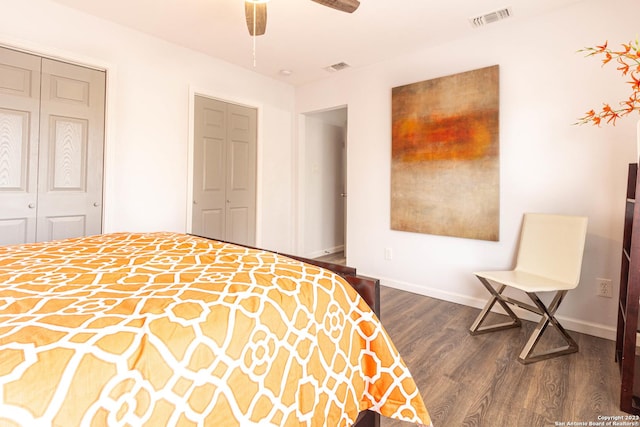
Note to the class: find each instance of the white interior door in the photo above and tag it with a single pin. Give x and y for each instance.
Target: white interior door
(209, 168)
(241, 175)
(51, 148)
(19, 128)
(71, 151)
(224, 182)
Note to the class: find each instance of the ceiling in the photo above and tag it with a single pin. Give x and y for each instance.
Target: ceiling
(305, 37)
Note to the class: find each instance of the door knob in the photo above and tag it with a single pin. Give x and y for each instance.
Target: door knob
(96, 204)
(32, 205)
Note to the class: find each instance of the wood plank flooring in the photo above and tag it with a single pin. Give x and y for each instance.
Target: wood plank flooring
(477, 381)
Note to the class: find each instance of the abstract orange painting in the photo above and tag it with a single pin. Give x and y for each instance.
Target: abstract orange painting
(445, 171)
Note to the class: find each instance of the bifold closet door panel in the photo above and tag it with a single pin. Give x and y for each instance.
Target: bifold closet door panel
(71, 151)
(209, 168)
(241, 174)
(19, 130)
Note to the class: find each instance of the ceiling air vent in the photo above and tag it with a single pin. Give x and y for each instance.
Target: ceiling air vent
(337, 67)
(490, 18)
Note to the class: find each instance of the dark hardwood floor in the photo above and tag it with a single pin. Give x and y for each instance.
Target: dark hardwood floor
(336, 258)
(477, 381)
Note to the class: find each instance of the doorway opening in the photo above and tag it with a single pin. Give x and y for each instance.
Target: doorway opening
(324, 184)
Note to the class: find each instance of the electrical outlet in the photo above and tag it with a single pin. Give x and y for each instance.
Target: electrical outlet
(604, 288)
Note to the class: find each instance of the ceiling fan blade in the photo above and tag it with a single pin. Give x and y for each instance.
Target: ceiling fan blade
(260, 17)
(348, 6)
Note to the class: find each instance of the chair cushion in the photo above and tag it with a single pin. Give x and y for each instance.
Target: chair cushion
(526, 282)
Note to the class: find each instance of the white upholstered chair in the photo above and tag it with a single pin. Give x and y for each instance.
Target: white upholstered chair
(549, 260)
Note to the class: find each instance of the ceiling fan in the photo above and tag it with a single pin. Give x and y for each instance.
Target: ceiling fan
(256, 12)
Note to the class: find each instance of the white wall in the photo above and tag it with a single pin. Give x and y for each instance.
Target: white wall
(547, 165)
(150, 83)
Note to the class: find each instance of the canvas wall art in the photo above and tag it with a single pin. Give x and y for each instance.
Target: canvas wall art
(445, 171)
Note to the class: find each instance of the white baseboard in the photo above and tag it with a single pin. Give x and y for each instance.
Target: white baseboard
(595, 329)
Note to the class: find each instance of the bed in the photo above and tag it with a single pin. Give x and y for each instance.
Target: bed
(168, 329)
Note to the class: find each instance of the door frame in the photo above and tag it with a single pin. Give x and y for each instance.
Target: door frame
(301, 194)
(193, 92)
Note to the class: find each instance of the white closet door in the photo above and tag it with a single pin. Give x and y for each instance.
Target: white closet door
(241, 174)
(19, 121)
(224, 172)
(51, 149)
(209, 168)
(71, 151)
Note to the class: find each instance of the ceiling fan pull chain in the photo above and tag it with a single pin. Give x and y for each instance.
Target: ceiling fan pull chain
(254, 36)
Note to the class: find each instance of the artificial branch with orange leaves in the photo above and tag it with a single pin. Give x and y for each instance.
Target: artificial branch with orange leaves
(628, 60)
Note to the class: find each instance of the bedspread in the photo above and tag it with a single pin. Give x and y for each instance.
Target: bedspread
(165, 329)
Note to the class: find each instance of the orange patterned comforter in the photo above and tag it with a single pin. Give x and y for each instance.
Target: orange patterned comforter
(165, 329)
